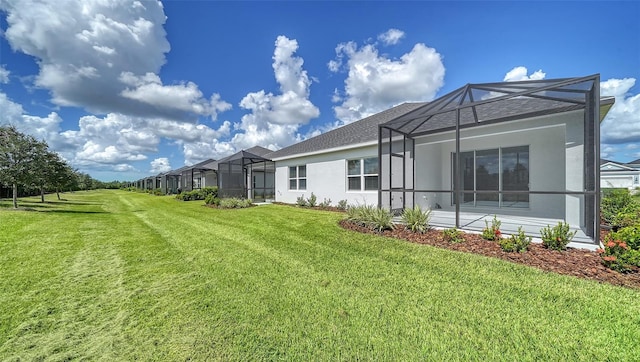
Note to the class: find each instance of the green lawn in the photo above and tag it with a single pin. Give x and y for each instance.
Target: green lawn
(114, 275)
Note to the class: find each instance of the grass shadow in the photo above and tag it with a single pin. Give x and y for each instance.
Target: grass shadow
(74, 212)
(26, 205)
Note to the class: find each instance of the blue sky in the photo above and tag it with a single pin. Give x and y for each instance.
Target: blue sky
(126, 89)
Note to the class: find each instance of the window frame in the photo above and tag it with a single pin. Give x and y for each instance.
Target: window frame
(361, 176)
(501, 203)
(297, 178)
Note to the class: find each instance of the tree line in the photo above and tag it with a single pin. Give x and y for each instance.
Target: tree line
(28, 167)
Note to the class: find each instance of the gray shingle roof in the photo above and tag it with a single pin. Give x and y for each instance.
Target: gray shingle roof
(204, 165)
(364, 130)
(421, 121)
(259, 150)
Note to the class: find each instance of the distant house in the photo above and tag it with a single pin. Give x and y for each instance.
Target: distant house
(620, 175)
(527, 150)
(248, 174)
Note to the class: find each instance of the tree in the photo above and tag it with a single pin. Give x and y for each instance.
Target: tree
(18, 154)
(56, 174)
(42, 167)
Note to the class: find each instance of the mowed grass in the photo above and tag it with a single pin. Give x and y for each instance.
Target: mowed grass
(114, 275)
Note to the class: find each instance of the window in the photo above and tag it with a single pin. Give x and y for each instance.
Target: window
(362, 174)
(500, 169)
(298, 177)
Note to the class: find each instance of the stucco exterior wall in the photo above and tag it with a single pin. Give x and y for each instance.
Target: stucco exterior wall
(326, 177)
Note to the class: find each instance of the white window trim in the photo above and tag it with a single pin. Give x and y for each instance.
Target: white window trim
(362, 176)
(297, 177)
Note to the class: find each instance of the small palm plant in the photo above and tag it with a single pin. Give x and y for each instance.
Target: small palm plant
(416, 219)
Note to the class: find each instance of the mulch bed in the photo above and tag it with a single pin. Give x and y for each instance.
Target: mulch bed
(576, 262)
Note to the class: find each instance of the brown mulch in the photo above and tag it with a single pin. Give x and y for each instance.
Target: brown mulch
(576, 262)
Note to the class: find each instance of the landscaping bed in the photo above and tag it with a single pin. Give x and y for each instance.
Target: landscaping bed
(576, 262)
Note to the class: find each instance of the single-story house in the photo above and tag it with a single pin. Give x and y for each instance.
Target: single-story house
(526, 150)
(620, 175)
(197, 176)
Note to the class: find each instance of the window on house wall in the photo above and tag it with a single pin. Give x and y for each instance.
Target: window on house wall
(500, 169)
(362, 174)
(298, 177)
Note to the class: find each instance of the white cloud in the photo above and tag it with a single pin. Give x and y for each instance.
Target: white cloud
(10, 112)
(622, 123)
(123, 167)
(160, 165)
(375, 82)
(274, 119)
(391, 36)
(520, 73)
(88, 49)
(118, 139)
(185, 97)
(43, 128)
(4, 74)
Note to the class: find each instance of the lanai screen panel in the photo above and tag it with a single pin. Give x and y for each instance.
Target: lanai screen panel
(262, 187)
(232, 178)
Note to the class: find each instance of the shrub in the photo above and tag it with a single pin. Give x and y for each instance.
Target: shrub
(325, 203)
(453, 235)
(342, 204)
(518, 242)
(622, 249)
(212, 200)
(234, 203)
(613, 202)
(382, 220)
(558, 237)
(628, 216)
(198, 194)
(492, 232)
(371, 217)
(312, 201)
(158, 192)
(301, 201)
(416, 219)
(617, 255)
(360, 213)
(630, 235)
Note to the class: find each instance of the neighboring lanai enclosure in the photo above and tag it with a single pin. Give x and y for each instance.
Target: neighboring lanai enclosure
(245, 174)
(528, 149)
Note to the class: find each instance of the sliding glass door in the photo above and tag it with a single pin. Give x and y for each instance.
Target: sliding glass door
(487, 172)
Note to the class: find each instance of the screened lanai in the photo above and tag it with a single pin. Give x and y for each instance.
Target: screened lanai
(246, 175)
(526, 149)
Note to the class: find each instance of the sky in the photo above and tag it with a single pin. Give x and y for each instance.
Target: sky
(127, 89)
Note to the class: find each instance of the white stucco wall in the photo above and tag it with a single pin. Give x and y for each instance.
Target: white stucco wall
(326, 177)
